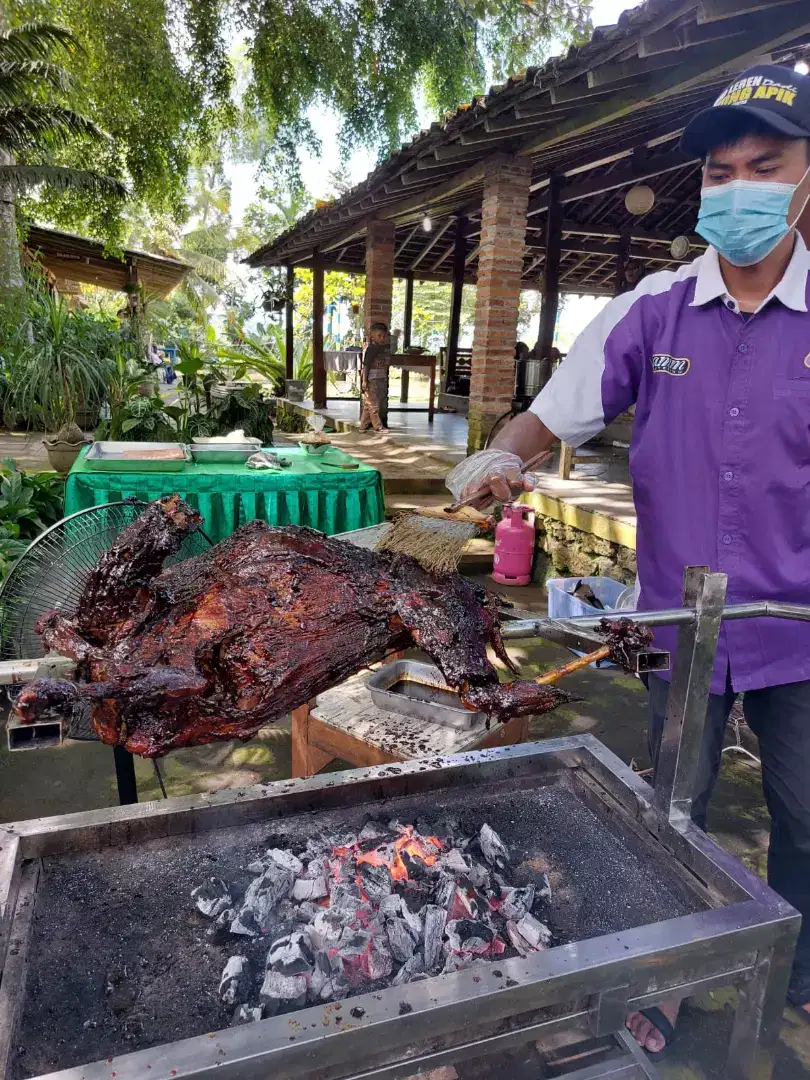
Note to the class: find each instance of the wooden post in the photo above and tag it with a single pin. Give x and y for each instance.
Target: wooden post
(406, 333)
(459, 263)
(318, 369)
(551, 278)
(623, 259)
(288, 324)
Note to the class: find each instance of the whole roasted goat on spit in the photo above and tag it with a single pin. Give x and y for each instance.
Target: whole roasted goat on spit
(217, 646)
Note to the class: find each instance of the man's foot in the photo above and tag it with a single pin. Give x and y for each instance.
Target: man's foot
(644, 1031)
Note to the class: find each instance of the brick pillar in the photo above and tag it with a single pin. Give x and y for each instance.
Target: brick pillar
(379, 273)
(500, 266)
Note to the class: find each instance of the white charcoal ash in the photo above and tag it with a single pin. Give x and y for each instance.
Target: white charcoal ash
(277, 858)
(375, 881)
(411, 971)
(528, 935)
(310, 888)
(212, 897)
(493, 848)
(515, 903)
(282, 993)
(435, 919)
(235, 983)
(400, 940)
(291, 955)
(246, 1014)
(454, 863)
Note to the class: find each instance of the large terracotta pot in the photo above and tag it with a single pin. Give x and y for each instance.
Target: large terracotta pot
(61, 454)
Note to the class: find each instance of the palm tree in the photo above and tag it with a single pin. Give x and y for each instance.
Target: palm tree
(31, 120)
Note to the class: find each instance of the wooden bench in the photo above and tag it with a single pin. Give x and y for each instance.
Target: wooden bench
(344, 724)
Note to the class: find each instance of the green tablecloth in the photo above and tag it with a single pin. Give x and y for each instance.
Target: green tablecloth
(227, 496)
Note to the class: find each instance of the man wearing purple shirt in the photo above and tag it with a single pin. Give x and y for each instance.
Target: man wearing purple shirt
(716, 358)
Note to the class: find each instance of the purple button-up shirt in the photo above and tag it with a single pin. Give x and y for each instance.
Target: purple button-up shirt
(720, 454)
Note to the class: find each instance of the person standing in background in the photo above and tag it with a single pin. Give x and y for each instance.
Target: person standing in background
(374, 379)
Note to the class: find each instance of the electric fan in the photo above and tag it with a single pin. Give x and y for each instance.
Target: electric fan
(53, 571)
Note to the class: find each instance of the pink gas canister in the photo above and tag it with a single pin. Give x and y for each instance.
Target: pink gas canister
(514, 546)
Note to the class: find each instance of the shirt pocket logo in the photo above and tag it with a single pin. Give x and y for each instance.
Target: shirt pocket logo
(807, 360)
(670, 365)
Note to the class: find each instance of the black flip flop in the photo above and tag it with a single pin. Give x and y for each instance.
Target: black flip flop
(663, 1025)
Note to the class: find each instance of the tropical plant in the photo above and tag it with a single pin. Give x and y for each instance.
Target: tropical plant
(264, 353)
(290, 420)
(56, 376)
(33, 124)
(29, 502)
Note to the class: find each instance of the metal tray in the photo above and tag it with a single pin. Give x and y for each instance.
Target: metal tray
(426, 677)
(222, 454)
(106, 457)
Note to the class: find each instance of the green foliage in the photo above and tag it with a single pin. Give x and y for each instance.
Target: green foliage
(57, 373)
(28, 504)
(35, 124)
(154, 75)
(289, 420)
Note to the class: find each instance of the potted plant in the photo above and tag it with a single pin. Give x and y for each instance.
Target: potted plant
(54, 377)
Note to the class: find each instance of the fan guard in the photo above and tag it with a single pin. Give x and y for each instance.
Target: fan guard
(52, 572)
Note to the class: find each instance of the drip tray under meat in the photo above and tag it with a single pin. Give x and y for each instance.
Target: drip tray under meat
(119, 959)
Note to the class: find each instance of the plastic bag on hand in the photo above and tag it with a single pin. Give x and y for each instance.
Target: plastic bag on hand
(475, 471)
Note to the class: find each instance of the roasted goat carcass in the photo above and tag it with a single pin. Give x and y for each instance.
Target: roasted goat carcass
(219, 645)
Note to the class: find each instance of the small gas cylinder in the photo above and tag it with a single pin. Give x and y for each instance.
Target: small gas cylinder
(514, 546)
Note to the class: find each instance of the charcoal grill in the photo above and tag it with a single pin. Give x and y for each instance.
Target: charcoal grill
(724, 926)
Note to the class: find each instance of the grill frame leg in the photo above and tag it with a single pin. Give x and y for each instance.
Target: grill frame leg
(125, 776)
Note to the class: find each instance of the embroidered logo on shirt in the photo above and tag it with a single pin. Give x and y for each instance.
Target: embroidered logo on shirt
(807, 360)
(670, 365)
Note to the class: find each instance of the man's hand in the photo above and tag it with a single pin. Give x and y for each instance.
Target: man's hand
(497, 472)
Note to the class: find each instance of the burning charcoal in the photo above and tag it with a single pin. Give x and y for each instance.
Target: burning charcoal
(529, 935)
(345, 897)
(277, 858)
(515, 903)
(493, 848)
(435, 918)
(394, 907)
(412, 971)
(468, 936)
(532, 930)
(290, 955)
(245, 923)
(453, 862)
(400, 939)
(310, 888)
(218, 933)
(234, 983)
(375, 881)
(305, 912)
(479, 875)
(373, 830)
(444, 890)
(244, 1014)
(321, 987)
(212, 898)
(281, 993)
(464, 904)
(326, 929)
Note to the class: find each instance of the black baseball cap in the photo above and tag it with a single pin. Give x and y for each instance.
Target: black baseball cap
(778, 97)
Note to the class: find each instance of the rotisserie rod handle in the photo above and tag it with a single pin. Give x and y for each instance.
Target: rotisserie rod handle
(574, 665)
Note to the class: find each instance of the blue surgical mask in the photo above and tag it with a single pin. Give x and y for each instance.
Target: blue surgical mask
(745, 220)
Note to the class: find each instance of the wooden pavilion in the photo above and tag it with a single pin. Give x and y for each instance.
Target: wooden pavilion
(525, 187)
(70, 258)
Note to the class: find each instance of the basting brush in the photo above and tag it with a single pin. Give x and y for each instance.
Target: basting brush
(437, 538)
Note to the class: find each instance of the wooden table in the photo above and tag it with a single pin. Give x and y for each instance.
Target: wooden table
(344, 724)
(417, 362)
